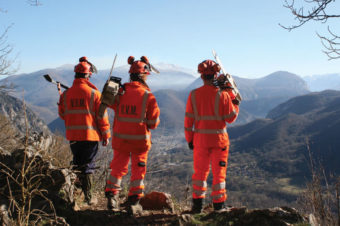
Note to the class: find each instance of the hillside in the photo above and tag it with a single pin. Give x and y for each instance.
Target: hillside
(15, 110)
(278, 143)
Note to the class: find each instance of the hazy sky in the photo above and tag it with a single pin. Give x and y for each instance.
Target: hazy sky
(245, 33)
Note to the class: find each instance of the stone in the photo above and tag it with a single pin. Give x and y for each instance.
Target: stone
(135, 210)
(157, 201)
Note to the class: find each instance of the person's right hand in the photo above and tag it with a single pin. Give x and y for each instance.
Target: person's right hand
(59, 87)
(105, 142)
(191, 145)
(236, 101)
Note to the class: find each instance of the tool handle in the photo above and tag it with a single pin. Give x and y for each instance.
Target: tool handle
(62, 85)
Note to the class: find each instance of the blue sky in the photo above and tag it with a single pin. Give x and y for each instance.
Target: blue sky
(245, 33)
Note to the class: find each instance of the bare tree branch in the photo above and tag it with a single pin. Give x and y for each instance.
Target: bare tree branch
(2, 10)
(331, 45)
(34, 2)
(316, 12)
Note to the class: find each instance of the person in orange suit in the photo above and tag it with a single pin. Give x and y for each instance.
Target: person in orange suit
(208, 110)
(135, 114)
(79, 107)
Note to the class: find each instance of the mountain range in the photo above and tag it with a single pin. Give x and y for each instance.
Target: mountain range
(171, 88)
(262, 94)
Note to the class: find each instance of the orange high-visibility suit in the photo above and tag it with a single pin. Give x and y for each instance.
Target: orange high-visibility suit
(78, 107)
(136, 113)
(207, 111)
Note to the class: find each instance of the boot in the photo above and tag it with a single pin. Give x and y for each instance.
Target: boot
(197, 205)
(218, 206)
(133, 206)
(112, 200)
(86, 185)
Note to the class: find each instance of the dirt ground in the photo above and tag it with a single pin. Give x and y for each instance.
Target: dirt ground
(97, 214)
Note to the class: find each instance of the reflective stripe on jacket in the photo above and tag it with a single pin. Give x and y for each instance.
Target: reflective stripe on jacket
(78, 107)
(207, 111)
(136, 113)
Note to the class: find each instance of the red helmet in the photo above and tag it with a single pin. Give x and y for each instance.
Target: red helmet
(83, 67)
(82, 59)
(141, 66)
(209, 67)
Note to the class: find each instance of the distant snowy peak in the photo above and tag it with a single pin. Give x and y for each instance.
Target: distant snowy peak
(314, 77)
(173, 67)
(65, 67)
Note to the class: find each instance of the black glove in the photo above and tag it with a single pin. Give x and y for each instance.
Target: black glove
(236, 102)
(191, 145)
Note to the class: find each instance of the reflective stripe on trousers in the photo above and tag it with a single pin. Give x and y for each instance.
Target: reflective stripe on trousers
(218, 197)
(137, 183)
(199, 188)
(218, 192)
(113, 183)
(138, 192)
(136, 187)
(217, 187)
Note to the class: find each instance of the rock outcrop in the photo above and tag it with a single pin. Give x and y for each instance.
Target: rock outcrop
(28, 181)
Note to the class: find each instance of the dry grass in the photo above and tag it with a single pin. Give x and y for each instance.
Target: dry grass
(321, 197)
(7, 135)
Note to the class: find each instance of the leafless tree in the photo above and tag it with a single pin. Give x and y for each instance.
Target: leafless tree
(316, 10)
(6, 50)
(6, 60)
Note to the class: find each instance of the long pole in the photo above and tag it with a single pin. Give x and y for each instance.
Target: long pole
(113, 64)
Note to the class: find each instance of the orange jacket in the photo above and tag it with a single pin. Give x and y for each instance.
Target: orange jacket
(78, 107)
(136, 113)
(207, 111)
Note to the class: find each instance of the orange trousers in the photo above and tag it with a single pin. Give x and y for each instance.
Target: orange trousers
(119, 168)
(218, 158)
